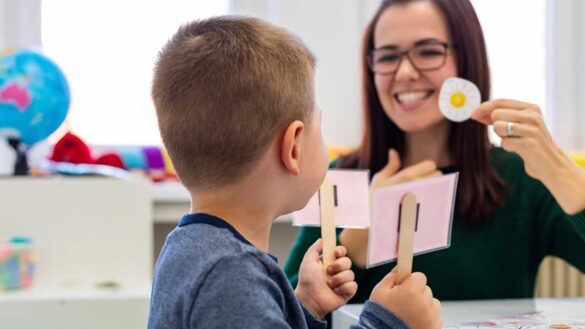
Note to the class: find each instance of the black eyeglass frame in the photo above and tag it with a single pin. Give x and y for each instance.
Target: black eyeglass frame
(446, 45)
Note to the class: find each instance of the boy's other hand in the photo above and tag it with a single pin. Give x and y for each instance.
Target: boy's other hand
(322, 293)
(411, 300)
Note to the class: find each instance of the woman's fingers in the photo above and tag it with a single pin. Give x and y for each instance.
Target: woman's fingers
(392, 167)
(384, 176)
(521, 146)
(417, 171)
(513, 119)
(425, 169)
(525, 117)
(390, 175)
(501, 128)
(435, 173)
(484, 112)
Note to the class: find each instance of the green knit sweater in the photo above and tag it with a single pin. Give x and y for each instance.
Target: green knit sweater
(498, 259)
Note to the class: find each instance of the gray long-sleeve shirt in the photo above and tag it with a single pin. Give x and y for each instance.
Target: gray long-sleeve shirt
(209, 276)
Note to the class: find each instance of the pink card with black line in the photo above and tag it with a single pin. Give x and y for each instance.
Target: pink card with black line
(351, 198)
(435, 198)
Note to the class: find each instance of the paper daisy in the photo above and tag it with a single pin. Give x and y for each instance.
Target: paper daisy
(458, 98)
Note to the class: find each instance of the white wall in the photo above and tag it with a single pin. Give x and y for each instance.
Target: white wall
(20, 23)
(332, 29)
(566, 72)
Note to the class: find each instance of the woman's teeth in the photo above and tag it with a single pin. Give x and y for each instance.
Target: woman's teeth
(411, 97)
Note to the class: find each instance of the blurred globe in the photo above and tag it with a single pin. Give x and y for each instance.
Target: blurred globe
(34, 96)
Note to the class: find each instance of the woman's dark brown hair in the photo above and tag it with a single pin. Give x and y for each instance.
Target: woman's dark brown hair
(480, 190)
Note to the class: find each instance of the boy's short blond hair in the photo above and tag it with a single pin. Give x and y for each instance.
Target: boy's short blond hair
(223, 89)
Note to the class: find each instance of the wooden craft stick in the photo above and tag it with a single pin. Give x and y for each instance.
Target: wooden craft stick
(327, 221)
(408, 215)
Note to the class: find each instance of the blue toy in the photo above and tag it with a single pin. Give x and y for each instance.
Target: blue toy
(17, 264)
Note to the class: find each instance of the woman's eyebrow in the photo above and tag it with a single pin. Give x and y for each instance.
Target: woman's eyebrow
(388, 47)
(417, 43)
(425, 41)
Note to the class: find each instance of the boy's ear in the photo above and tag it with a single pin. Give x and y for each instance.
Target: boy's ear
(290, 149)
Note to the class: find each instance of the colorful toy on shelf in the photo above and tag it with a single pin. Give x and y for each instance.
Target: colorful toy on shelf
(17, 264)
(169, 165)
(337, 151)
(133, 158)
(579, 158)
(153, 161)
(34, 100)
(70, 148)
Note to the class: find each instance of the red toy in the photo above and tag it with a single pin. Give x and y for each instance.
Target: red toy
(152, 161)
(72, 149)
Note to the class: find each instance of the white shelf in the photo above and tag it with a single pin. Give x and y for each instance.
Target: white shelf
(169, 192)
(74, 294)
(79, 308)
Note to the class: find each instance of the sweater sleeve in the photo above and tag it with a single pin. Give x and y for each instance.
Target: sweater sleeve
(561, 235)
(374, 316)
(312, 322)
(237, 294)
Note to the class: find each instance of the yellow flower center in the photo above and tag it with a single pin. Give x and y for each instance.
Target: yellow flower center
(458, 99)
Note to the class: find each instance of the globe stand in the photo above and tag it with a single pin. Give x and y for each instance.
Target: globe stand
(21, 164)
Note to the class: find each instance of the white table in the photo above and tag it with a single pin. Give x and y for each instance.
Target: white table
(456, 312)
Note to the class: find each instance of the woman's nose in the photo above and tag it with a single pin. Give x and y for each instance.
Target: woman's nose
(406, 71)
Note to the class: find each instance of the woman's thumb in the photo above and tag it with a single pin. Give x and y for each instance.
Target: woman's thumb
(393, 164)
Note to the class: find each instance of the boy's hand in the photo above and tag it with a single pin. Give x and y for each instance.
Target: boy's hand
(322, 294)
(412, 300)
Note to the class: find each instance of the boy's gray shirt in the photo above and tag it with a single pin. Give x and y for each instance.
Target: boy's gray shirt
(209, 276)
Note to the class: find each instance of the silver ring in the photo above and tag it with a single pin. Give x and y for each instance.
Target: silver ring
(510, 129)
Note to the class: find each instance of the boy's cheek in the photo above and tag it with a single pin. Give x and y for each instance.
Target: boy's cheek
(325, 157)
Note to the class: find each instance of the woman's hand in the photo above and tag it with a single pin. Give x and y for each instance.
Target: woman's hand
(523, 131)
(390, 174)
(356, 240)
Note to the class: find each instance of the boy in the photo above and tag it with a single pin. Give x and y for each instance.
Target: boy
(236, 110)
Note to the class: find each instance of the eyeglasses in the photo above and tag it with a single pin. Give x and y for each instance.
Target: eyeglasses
(424, 57)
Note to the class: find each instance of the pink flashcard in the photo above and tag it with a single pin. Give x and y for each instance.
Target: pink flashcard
(351, 197)
(435, 198)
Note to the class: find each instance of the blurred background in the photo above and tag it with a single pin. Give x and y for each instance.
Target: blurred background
(95, 240)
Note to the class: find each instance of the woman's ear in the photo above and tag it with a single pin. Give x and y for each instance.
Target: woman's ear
(290, 148)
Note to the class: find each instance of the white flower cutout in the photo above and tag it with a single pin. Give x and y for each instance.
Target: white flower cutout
(458, 98)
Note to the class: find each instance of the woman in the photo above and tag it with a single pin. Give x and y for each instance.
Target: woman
(515, 204)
